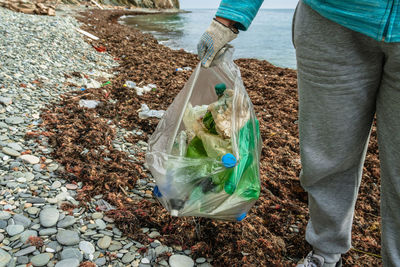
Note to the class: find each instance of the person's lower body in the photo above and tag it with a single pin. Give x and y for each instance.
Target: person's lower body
(344, 78)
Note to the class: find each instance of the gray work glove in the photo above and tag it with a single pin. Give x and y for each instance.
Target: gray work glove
(216, 36)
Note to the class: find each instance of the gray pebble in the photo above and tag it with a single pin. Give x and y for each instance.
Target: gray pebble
(49, 217)
(4, 258)
(104, 242)
(69, 253)
(14, 120)
(52, 167)
(116, 231)
(55, 185)
(161, 250)
(48, 231)
(26, 234)
(36, 226)
(14, 229)
(10, 152)
(15, 146)
(54, 245)
(128, 257)
(115, 245)
(200, 260)
(154, 244)
(68, 263)
(66, 222)
(67, 237)
(154, 234)
(36, 200)
(33, 210)
(22, 259)
(97, 215)
(4, 215)
(41, 259)
(3, 224)
(21, 219)
(100, 261)
(100, 224)
(25, 251)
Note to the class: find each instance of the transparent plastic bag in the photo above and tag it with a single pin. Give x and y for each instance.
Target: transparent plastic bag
(205, 151)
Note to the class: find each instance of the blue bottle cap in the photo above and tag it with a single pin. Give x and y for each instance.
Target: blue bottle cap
(241, 216)
(157, 192)
(229, 160)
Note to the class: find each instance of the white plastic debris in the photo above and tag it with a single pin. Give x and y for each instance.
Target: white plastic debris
(130, 84)
(92, 84)
(88, 103)
(97, 4)
(145, 89)
(183, 69)
(87, 34)
(140, 90)
(145, 112)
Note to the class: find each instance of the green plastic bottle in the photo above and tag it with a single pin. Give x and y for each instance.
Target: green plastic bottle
(244, 180)
(220, 89)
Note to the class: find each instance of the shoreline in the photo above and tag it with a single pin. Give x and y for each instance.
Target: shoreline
(173, 37)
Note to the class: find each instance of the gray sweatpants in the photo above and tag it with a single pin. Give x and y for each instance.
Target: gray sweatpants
(344, 79)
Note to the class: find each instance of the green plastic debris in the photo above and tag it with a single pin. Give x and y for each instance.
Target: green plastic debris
(220, 89)
(209, 122)
(196, 149)
(106, 83)
(244, 181)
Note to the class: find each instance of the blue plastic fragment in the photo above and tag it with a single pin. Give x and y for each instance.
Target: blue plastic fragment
(229, 160)
(157, 192)
(241, 216)
(83, 89)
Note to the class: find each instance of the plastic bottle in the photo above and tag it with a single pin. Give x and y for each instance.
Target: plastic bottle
(220, 89)
(130, 84)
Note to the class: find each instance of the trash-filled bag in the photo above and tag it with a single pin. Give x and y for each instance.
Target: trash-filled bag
(204, 154)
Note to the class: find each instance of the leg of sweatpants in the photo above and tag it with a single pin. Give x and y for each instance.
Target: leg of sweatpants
(339, 73)
(388, 121)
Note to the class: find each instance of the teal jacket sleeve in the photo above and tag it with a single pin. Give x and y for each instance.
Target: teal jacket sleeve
(241, 11)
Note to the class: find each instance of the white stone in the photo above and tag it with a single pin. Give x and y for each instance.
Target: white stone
(31, 159)
(86, 247)
(180, 261)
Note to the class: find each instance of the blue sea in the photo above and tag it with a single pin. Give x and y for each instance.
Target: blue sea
(269, 36)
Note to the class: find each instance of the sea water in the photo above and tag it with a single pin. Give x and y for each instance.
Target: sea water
(269, 36)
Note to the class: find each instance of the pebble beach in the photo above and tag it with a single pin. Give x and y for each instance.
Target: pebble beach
(37, 206)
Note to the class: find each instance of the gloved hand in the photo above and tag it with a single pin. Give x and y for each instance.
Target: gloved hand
(216, 37)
